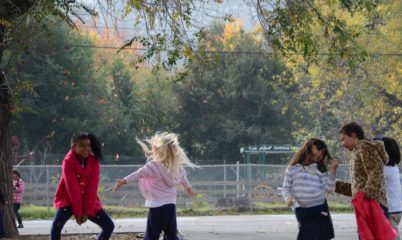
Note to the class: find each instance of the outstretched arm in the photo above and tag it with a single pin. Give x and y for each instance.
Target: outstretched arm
(343, 188)
(187, 186)
(146, 171)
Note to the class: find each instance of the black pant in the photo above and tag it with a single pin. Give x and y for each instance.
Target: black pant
(162, 219)
(101, 218)
(315, 223)
(385, 210)
(2, 232)
(17, 207)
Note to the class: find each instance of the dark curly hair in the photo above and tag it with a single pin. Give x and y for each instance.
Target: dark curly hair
(96, 146)
(351, 128)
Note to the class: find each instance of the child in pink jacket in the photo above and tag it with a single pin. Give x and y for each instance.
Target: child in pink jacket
(158, 179)
(19, 187)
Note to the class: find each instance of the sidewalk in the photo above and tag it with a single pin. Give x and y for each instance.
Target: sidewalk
(250, 227)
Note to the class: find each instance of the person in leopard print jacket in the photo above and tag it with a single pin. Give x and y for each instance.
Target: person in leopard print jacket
(366, 166)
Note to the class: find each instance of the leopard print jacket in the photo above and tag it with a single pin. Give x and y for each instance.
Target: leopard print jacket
(367, 172)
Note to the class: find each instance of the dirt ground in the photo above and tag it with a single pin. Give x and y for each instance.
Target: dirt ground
(117, 236)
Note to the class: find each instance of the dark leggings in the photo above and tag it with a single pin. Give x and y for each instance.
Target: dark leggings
(17, 207)
(162, 219)
(101, 218)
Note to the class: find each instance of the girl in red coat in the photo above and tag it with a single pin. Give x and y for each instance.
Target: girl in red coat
(77, 193)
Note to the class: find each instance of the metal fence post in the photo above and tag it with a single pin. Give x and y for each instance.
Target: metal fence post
(31, 173)
(237, 180)
(250, 197)
(224, 181)
(47, 188)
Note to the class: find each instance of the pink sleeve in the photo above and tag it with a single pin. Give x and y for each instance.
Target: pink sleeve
(21, 187)
(73, 187)
(184, 181)
(91, 193)
(145, 171)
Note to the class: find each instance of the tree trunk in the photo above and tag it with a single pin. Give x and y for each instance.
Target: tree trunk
(5, 148)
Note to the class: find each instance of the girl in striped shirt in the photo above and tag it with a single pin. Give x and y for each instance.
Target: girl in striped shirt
(309, 176)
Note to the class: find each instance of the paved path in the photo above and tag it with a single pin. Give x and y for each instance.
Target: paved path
(250, 227)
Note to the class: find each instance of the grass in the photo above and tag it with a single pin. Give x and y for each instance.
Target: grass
(30, 212)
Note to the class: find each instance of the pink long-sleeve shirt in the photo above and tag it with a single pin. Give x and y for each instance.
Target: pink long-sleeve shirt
(157, 185)
(19, 191)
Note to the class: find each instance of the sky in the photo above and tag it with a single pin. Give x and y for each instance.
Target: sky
(211, 12)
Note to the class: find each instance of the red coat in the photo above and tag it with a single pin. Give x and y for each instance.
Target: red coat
(371, 221)
(78, 187)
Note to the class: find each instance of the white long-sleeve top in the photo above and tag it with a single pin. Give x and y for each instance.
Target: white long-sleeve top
(393, 184)
(307, 185)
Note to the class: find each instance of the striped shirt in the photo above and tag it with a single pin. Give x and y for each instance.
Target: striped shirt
(307, 185)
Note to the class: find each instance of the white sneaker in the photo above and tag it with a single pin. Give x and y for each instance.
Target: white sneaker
(179, 235)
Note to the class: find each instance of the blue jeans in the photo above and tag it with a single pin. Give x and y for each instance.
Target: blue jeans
(101, 218)
(162, 219)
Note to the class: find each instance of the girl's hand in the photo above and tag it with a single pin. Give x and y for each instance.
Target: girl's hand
(333, 165)
(290, 202)
(119, 184)
(191, 193)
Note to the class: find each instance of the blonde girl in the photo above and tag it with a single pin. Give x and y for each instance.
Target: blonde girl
(158, 179)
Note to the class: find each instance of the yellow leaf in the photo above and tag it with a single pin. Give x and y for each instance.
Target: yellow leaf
(313, 70)
(232, 29)
(188, 51)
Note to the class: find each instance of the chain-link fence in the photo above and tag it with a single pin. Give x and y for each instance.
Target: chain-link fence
(47, 158)
(241, 186)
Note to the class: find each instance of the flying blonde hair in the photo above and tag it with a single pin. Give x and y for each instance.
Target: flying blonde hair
(165, 148)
